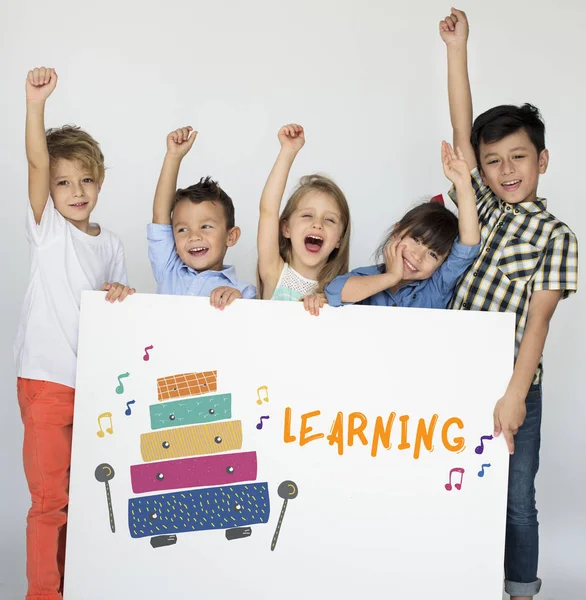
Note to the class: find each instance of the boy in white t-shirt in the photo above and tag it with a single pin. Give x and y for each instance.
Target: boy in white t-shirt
(68, 254)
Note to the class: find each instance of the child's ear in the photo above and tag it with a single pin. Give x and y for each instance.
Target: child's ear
(100, 184)
(285, 229)
(233, 236)
(543, 161)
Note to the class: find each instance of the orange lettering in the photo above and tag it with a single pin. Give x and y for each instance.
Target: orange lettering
(303, 439)
(337, 433)
(404, 443)
(359, 431)
(459, 441)
(424, 435)
(382, 433)
(287, 437)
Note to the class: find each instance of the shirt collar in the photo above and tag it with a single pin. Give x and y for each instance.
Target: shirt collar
(228, 271)
(539, 205)
(411, 284)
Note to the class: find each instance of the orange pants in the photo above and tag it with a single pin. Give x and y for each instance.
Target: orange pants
(47, 413)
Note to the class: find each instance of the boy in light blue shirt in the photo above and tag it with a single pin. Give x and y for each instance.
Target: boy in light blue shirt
(191, 232)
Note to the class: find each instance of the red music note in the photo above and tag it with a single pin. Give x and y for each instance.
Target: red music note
(458, 486)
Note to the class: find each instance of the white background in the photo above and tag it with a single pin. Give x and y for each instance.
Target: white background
(367, 80)
(361, 526)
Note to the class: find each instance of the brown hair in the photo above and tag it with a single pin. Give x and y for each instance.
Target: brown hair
(207, 190)
(339, 259)
(72, 143)
(431, 222)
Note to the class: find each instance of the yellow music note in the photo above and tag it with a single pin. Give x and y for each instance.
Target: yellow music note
(110, 430)
(263, 394)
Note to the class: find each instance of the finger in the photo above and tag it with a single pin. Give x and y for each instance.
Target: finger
(510, 440)
(497, 426)
(184, 133)
(459, 15)
(451, 23)
(35, 76)
(105, 287)
(131, 291)
(48, 73)
(111, 292)
(191, 139)
(123, 293)
(231, 297)
(116, 293)
(54, 75)
(214, 298)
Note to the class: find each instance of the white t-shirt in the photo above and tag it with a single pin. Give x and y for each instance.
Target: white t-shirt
(64, 262)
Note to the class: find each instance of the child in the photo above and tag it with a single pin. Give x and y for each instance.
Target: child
(191, 231)
(68, 254)
(302, 250)
(528, 264)
(422, 262)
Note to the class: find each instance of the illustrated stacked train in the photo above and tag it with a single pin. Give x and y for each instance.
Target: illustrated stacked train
(190, 463)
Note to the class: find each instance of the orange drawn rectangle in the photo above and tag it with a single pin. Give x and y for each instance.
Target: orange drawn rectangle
(186, 384)
(179, 442)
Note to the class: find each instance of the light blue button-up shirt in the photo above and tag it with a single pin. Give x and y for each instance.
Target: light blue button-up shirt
(174, 277)
(434, 292)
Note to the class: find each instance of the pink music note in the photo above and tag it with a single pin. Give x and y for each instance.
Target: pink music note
(146, 353)
(458, 486)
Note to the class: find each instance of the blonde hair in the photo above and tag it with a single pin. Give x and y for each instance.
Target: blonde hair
(73, 143)
(339, 259)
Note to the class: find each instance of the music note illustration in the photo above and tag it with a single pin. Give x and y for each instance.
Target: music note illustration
(110, 430)
(480, 449)
(263, 394)
(120, 388)
(481, 472)
(146, 353)
(128, 410)
(288, 490)
(259, 424)
(103, 474)
(458, 486)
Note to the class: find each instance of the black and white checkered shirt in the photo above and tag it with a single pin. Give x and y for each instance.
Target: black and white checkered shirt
(524, 249)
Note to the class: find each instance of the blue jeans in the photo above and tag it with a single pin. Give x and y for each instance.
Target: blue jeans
(522, 537)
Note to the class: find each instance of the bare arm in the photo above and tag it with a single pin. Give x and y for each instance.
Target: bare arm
(40, 83)
(179, 142)
(457, 171)
(270, 263)
(510, 410)
(454, 32)
(358, 288)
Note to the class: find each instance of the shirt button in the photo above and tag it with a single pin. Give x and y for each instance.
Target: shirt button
(394, 304)
(465, 305)
(475, 273)
(487, 249)
(414, 296)
(508, 208)
(516, 211)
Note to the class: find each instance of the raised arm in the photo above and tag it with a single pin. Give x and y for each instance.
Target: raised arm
(40, 83)
(179, 143)
(270, 263)
(457, 171)
(454, 32)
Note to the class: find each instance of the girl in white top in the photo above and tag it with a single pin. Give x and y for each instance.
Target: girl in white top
(69, 254)
(303, 249)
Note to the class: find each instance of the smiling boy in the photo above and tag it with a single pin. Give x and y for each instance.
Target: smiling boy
(191, 232)
(528, 263)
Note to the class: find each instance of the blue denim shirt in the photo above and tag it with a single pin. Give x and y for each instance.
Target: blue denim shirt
(434, 292)
(174, 277)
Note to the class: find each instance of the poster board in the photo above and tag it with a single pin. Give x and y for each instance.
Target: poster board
(262, 452)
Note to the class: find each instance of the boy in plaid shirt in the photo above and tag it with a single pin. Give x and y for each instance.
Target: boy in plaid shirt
(528, 263)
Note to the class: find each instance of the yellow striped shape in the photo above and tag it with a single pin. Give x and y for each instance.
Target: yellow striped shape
(211, 438)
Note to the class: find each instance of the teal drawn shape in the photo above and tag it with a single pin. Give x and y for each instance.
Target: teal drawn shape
(191, 411)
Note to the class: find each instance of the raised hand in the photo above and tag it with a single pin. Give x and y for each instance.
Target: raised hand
(40, 83)
(454, 28)
(292, 137)
(456, 168)
(180, 141)
(394, 258)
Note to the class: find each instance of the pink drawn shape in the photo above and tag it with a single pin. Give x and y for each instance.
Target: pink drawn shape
(458, 486)
(146, 353)
(219, 469)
